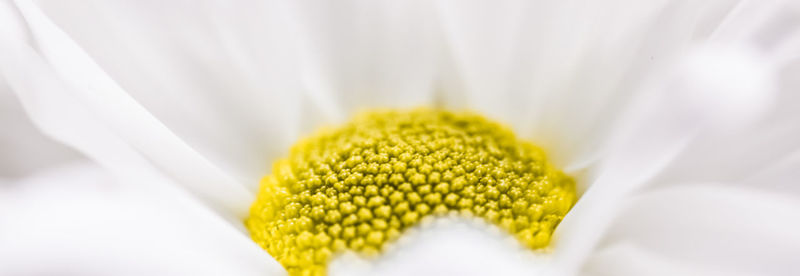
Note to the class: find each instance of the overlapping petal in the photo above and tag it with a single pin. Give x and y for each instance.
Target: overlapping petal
(79, 220)
(648, 102)
(70, 98)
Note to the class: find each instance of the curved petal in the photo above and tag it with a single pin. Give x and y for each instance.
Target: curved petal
(702, 119)
(78, 220)
(769, 30)
(448, 246)
(239, 80)
(24, 148)
(627, 259)
(780, 176)
(363, 54)
(222, 75)
(75, 102)
(562, 71)
(712, 226)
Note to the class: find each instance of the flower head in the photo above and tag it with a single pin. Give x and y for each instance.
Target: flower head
(677, 121)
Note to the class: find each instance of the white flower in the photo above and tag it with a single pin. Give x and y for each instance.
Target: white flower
(679, 119)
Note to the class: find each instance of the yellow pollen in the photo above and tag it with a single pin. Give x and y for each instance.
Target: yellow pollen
(359, 186)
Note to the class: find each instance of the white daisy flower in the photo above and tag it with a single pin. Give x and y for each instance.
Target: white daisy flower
(677, 121)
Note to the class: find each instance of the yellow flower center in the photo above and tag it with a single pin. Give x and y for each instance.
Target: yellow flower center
(361, 185)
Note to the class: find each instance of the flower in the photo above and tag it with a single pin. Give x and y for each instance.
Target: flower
(677, 119)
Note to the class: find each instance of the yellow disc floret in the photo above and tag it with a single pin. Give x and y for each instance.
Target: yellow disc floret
(361, 185)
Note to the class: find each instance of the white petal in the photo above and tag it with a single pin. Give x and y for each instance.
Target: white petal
(627, 259)
(709, 117)
(754, 145)
(222, 75)
(240, 81)
(73, 100)
(366, 54)
(561, 72)
(683, 104)
(448, 246)
(77, 220)
(780, 176)
(720, 228)
(24, 148)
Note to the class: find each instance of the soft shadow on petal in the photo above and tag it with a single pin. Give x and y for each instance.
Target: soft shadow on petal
(241, 81)
(448, 246)
(711, 116)
(24, 148)
(78, 220)
(736, 154)
(779, 176)
(359, 54)
(223, 75)
(562, 71)
(75, 102)
(626, 258)
(711, 225)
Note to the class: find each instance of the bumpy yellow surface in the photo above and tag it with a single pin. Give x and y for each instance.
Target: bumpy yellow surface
(361, 185)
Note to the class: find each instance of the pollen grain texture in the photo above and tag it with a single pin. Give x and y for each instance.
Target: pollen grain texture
(359, 186)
